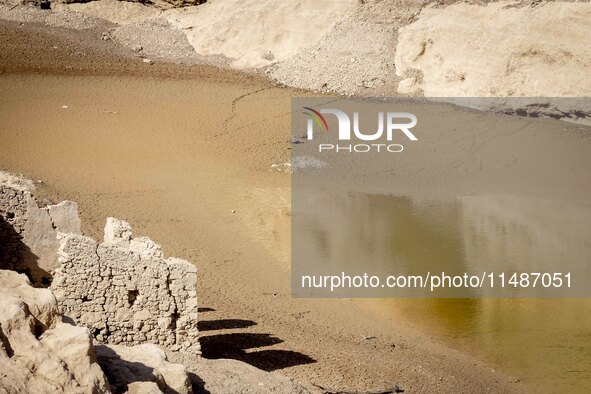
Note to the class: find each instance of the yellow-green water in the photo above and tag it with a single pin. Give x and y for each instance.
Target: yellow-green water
(546, 343)
(543, 342)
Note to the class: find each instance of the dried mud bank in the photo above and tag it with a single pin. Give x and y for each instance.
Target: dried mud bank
(392, 47)
(121, 294)
(471, 48)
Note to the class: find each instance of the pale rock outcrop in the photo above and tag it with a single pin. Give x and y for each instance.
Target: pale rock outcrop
(146, 363)
(268, 32)
(28, 233)
(64, 217)
(125, 291)
(117, 231)
(17, 182)
(38, 352)
(143, 388)
(13, 209)
(498, 50)
(40, 237)
(115, 11)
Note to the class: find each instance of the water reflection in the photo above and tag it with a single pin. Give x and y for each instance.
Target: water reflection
(377, 234)
(383, 235)
(516, 234)
(544, 342)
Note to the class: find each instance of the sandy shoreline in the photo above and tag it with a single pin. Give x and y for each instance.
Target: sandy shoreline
(145, 154)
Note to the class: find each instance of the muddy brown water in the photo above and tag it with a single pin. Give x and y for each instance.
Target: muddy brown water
(143, 150)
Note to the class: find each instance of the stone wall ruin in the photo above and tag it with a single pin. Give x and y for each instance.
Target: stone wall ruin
(122, 289)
